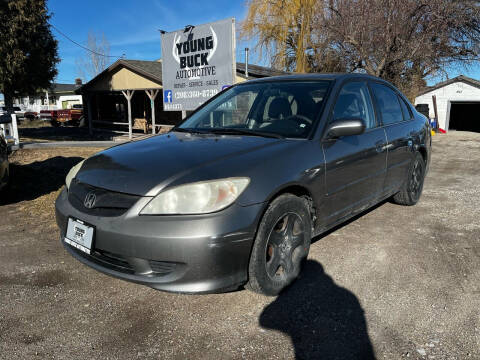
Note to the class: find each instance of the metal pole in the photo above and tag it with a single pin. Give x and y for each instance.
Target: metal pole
(434, 100)
(246, 62)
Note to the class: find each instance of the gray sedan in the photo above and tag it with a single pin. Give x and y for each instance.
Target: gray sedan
(234, 194)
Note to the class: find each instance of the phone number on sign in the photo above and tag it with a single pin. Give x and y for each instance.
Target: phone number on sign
(207, 93)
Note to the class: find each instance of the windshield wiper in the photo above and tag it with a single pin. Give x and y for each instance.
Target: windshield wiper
(236, 131)
(188, 130)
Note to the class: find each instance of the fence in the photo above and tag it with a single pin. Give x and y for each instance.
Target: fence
(10, 131)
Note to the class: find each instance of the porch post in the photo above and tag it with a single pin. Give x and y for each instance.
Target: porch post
(128, 95)
(89, 113)
(152, 94)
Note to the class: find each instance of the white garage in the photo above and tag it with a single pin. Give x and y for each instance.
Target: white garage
(458, 103)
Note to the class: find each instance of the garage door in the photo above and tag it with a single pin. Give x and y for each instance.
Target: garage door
(465, 116)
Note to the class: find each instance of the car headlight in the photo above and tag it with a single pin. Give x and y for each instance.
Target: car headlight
(72, 173)
(197, 198)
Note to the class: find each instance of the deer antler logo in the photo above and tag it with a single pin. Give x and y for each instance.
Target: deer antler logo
(176, 40)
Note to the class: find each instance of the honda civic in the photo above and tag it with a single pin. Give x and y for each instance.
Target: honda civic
(233, 195)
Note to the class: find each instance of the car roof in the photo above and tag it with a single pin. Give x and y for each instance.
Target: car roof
(315, 76)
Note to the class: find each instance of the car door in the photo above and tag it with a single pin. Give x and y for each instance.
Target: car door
(398, 130)
(355, 165)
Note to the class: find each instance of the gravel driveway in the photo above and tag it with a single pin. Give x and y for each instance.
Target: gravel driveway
(397, 282)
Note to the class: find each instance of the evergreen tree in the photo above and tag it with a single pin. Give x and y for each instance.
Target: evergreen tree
(28, 51)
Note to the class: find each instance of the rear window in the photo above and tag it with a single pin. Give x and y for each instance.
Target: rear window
(407, 113)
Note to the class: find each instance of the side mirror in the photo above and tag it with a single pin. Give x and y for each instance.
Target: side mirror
(345, 127)
(5, 118)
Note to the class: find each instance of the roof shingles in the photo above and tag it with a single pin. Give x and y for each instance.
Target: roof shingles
(461, 78)
(153, 69)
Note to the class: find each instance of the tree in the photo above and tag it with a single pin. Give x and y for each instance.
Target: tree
(28, 51)
(403, 41)
(96, 60)
(282, 28)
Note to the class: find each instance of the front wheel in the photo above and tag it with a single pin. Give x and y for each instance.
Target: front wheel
(281, 245)
(413, 186)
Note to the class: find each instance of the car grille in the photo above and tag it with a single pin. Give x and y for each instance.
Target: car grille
(162, 267)
(107, 203)
(119, 263)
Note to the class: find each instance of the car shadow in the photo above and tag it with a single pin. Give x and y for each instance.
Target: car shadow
(323, 320)
(349, 221)
(64, 133)
(31, 181)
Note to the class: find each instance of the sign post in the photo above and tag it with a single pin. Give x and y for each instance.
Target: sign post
(197, 63)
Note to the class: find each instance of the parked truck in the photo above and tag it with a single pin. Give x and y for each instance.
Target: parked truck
(49, 115)
(71, 116)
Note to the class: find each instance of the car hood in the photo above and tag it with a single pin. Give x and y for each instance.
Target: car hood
(145, 167)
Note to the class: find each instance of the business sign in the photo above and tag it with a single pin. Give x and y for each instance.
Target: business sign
(197, 63)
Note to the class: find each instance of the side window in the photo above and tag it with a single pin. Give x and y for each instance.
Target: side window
(388, 104)
(407, 113)
(354, 102)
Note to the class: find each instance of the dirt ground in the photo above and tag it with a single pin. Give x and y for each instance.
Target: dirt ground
(395, 283)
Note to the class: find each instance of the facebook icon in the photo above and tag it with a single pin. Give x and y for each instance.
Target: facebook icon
(167, 96)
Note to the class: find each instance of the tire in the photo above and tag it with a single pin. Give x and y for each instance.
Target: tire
(413, 186)
(281, 245)
(54, 123)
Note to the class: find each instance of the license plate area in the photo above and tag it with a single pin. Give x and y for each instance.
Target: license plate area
(79, 235)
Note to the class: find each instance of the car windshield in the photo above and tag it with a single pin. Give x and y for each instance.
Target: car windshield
(274, 109)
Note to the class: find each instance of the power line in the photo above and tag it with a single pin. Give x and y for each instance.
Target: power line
(84, 47)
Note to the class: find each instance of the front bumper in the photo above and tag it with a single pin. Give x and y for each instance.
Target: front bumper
(189, 254)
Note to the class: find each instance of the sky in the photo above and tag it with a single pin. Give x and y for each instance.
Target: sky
(132, 26)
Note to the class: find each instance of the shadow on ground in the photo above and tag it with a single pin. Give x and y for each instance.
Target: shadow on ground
(30, 181)
(66, 133)
(349, 221)
(323, 320)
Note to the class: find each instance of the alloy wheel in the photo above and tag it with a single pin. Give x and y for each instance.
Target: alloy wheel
(284, 247)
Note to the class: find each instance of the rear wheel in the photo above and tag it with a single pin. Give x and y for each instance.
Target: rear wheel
(413, 186)
(281, 245)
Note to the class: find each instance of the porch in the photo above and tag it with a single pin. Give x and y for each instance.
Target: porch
(127, 97)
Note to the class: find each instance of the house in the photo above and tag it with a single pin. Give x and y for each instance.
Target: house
(458, 103)
(58, 96)
(135, 84)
